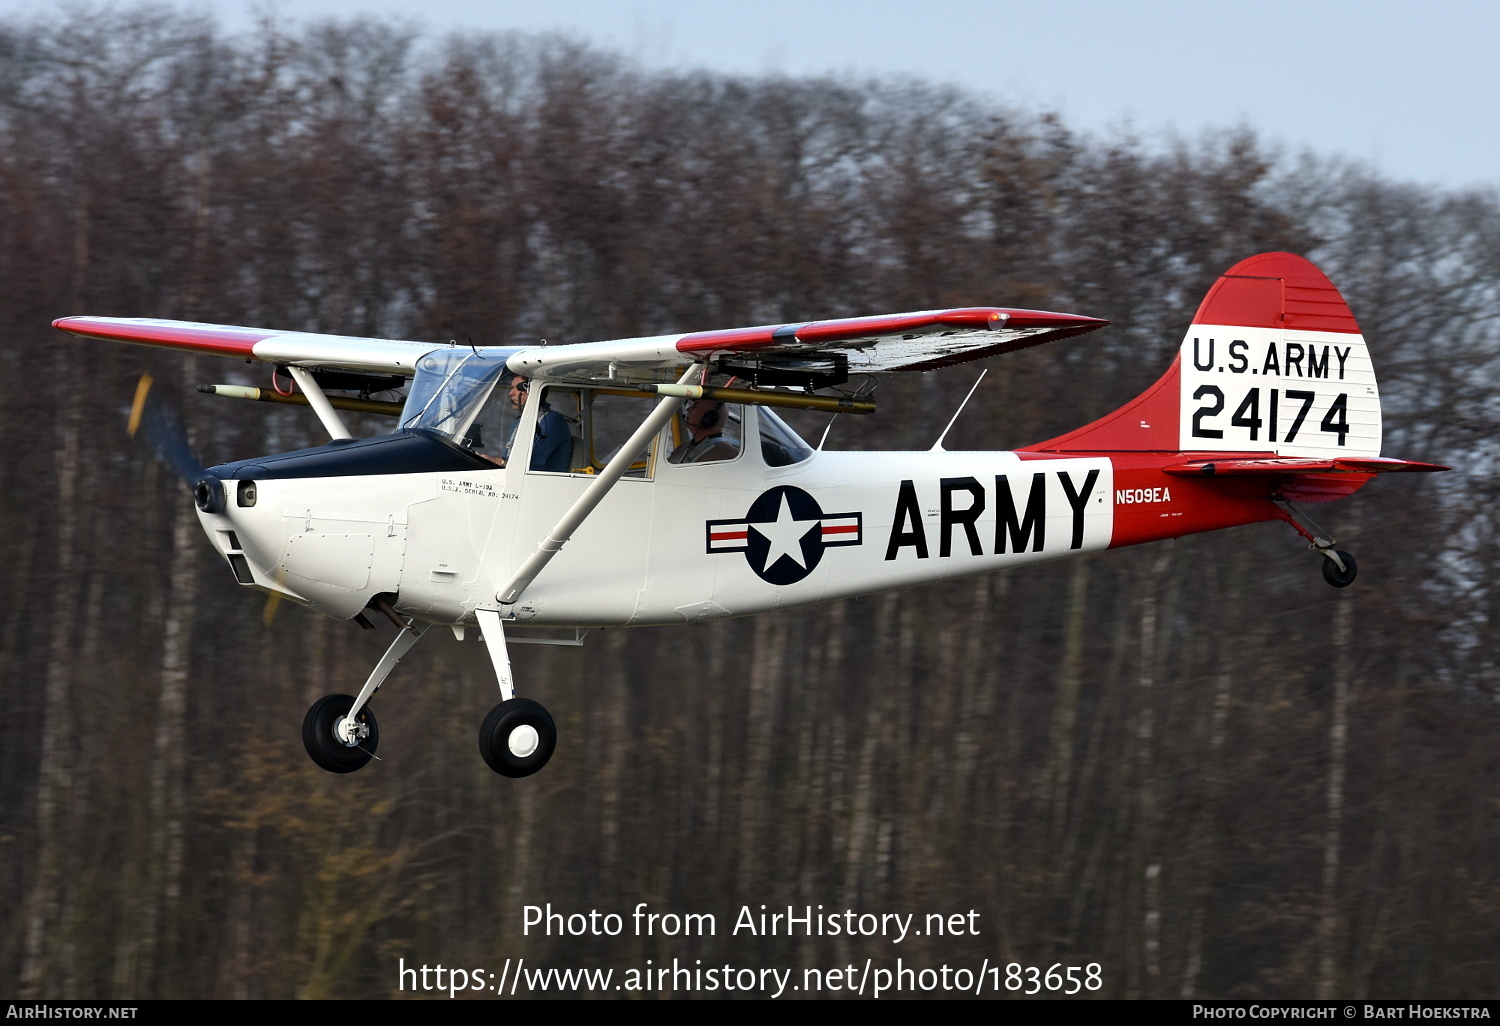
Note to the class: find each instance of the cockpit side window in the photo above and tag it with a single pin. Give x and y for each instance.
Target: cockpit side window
(558, 445)
(551, 443)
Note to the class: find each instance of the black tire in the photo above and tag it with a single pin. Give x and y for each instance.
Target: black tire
(1340, 578)
(505, 727)
(326, 750)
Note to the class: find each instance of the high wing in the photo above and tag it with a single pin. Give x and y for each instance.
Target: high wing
(918, 341)
(299, 348)
(924, 340)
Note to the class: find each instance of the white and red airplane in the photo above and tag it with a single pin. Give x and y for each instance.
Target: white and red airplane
(639, 486)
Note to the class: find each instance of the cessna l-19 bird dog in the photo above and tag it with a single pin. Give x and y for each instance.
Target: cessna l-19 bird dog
(639, 485)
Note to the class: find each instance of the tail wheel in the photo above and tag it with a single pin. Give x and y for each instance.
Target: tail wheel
(325, 747)
(517, 738)
(1336, 577)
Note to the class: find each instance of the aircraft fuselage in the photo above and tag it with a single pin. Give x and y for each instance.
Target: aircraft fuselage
(695, 542)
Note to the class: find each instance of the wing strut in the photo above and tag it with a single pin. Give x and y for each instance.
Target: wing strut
(320, 404)
(593, 495)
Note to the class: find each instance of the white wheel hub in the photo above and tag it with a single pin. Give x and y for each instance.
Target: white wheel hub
(349, 732)
(523, 741)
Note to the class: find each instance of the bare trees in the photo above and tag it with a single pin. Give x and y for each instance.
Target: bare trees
(1148, 759)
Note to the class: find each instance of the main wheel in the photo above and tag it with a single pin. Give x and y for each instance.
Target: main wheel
(326, 749)
(517, 738)
(1336, 577)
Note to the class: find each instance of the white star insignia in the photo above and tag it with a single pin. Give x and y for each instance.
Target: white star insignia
(785, 535)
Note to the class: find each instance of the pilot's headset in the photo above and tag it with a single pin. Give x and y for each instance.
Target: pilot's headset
(712, 417)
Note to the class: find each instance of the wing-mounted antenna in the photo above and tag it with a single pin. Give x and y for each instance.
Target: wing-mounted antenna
(938, 445)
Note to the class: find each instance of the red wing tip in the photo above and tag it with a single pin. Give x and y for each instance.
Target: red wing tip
(220, 339)
(847, 328)
(1045, 318)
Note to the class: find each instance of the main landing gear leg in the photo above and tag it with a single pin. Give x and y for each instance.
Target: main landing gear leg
(1339, 568)
(339, 732)
(518, 736)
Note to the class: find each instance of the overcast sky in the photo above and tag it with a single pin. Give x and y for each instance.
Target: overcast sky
(1409, 87)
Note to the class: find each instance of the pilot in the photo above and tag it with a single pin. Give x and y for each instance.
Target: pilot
(705, 420)
(552, 448)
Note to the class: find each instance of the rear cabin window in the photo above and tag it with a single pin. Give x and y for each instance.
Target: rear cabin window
(780, 446)
(707, 431)
(609, 419)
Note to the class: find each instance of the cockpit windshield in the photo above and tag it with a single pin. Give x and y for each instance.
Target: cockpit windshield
(448, 388)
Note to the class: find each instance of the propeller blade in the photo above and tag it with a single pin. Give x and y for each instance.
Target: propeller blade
(273, 602)
(157, 422)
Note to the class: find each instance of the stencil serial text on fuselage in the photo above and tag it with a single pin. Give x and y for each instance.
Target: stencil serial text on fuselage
(1125, 496)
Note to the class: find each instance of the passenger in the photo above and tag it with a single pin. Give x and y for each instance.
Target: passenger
(705, 420)
(552, 447)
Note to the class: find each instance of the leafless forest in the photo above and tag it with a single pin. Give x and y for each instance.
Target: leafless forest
(1193, 763)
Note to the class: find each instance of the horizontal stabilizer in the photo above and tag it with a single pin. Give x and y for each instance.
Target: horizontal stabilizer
(1293, 465)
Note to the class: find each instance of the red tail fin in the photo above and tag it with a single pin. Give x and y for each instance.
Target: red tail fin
(1273, 362)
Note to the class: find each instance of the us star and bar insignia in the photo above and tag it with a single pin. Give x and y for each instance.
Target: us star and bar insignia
(784, 534)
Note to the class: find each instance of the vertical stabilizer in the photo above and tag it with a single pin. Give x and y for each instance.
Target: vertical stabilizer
(1273, 362)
